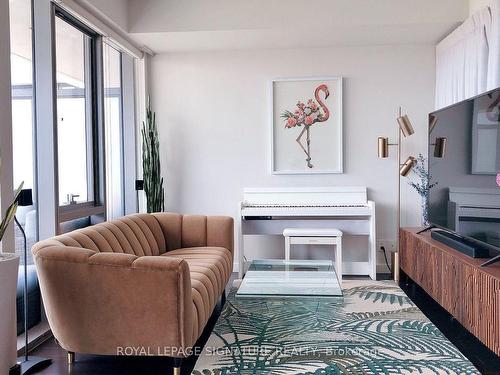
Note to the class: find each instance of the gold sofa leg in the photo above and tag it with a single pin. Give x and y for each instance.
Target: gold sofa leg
(177, 366)
(71, 358)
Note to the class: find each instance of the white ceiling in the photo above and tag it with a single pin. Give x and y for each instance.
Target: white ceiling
(283, 38)
(193, 25)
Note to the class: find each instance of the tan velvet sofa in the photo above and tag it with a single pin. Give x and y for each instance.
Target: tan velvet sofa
(145, 284)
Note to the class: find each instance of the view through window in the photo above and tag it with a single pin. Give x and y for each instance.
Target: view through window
(75, 125)
(22, 117)
(113, 131)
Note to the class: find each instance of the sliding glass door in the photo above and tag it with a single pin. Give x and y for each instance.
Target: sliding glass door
(113, 130)
(80, 160)
(22, 118)
(75, 114)
(91, 78)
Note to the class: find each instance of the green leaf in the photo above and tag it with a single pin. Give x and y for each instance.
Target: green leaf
(153, 182)
(10, 212)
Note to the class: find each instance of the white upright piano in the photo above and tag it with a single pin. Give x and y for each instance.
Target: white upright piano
(267, 211)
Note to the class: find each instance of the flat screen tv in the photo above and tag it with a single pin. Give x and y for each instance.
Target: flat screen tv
(464, 161)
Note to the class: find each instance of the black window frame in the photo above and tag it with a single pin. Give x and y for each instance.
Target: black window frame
(96, 187)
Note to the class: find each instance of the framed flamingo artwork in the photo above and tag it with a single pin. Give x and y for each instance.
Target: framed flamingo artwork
(306, 125)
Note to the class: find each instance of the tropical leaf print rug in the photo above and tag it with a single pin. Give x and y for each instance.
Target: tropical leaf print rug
(374, 329)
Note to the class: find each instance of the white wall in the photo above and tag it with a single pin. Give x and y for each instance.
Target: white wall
(5, 121)
(213, 115)
(475, 5)
(116, 10)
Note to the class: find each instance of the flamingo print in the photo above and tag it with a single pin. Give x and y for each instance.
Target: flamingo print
(306, 115)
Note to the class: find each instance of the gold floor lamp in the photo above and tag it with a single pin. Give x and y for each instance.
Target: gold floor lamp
(405, 130)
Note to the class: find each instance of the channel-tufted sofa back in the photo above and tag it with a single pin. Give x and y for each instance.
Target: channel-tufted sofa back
(145, 234)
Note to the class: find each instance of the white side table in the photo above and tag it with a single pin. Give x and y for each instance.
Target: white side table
(315, 236)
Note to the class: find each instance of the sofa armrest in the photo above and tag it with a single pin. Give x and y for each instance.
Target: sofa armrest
(104, 302)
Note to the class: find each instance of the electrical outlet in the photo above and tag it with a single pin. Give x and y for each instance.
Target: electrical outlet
(389, 245)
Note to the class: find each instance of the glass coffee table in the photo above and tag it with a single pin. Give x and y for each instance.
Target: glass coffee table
(292, 278)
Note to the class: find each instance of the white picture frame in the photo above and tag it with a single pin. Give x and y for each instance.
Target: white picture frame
(289, 151)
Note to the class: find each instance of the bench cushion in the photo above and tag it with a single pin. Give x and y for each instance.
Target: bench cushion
(312, 232)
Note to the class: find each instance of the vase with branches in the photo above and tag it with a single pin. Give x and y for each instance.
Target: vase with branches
(423, 185)
(9, 264)
(153, 182)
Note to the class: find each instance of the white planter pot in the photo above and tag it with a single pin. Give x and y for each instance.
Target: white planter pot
(9, 265)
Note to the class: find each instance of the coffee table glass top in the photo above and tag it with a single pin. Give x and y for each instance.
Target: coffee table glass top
(292, 278)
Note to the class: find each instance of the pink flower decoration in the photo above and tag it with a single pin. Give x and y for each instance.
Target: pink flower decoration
(498, 179)
(291, 122)
(309, 120)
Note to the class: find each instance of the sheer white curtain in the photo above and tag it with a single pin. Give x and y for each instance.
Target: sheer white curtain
(494, 47)
(467, 60)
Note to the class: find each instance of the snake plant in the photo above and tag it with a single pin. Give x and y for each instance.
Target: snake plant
(11, 211)
(153, 182)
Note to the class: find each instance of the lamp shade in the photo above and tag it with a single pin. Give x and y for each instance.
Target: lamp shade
(440, 147)
(25, 198)
(383, 147)
(405, 125)
(407, 166)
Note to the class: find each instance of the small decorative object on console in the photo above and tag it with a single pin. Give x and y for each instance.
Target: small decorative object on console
(423, 186)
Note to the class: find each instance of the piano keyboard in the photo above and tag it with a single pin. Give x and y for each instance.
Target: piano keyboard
(245, 205)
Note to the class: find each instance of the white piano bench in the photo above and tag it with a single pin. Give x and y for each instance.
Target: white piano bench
(315, 236)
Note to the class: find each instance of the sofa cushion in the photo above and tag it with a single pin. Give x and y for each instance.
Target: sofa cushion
(210, 269)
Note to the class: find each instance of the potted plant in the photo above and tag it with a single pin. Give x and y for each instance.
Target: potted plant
(153, 182)
(9, 264)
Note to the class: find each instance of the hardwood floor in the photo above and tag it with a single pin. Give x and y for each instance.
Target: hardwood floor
(485, 360)
(113, 365)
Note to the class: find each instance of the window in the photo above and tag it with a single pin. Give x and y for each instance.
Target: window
(83, 127)
(113, 123)
(76, 112)
(22, 117)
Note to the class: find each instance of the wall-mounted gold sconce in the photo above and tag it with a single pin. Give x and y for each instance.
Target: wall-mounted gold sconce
(439, 147)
